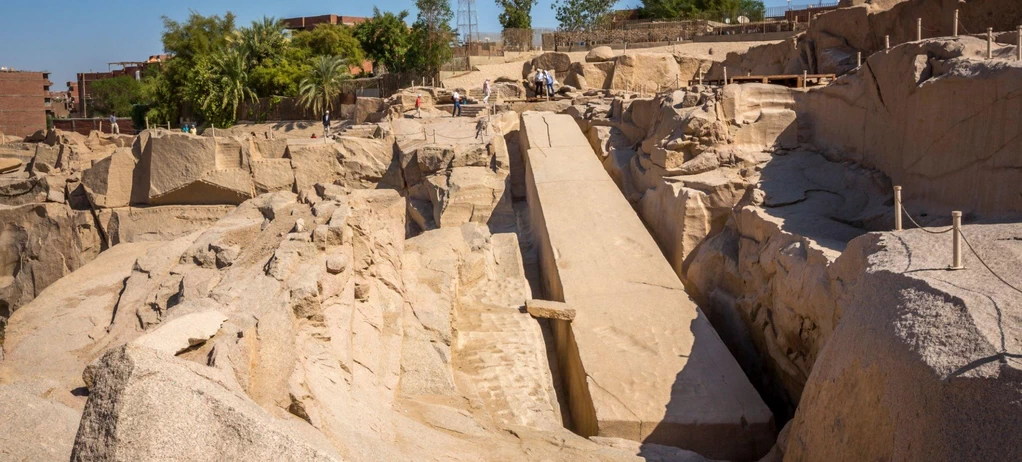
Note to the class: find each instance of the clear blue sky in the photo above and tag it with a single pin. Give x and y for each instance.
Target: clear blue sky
(70, 36)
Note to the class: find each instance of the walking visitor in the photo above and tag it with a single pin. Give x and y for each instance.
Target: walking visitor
(486, 92)
(326, 124)
(457, 103)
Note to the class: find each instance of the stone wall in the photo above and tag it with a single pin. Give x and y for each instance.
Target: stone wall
(936, 117)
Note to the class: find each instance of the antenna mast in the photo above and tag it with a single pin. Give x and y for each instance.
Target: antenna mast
(468, 21)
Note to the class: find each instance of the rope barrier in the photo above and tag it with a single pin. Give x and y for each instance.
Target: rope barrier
(985, 265)
(456, 137)
(914, 222)
(962, 26)
(971, 249)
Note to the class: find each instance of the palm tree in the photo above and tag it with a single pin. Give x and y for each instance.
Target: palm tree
(318, 90)
(232, 69)
(263, 39)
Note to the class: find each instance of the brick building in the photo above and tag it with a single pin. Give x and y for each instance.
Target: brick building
(58, 104)
(85, 80)
(72, 91)
(23, 101)
(310, 22)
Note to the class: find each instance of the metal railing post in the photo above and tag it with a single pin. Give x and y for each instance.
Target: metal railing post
(990, 43)
(955, 27)
(956, 246)
(897, 208)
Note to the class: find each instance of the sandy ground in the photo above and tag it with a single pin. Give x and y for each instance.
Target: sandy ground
(710, 51)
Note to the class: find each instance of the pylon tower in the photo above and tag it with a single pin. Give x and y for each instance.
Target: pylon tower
(468, 21)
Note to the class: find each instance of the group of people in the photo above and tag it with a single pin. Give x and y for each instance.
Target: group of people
(457, 98)
(544, 83)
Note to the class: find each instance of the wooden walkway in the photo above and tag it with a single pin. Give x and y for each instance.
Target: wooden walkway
(787, 80)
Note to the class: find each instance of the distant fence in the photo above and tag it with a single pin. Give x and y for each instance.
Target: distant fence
(456, 64)
(518, 39)
(765, 27)
(777, 12)
(649, 32)
(290, 108)
(85, 126)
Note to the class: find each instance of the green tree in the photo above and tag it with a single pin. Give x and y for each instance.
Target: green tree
(432, 37)
(263, 40)
(581, 14)
(159, 95)
(332, 40)
(517, 14)
(281, 76)
(385, 37)
(198, 36)
(670, 9)
(219, 84)
(190, 43)
(323, 84)
(114, 96)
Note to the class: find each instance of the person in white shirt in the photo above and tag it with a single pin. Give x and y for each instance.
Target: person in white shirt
(486, 92)
(457, 104)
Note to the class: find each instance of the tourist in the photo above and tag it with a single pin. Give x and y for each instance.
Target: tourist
(418, 105)
(114, 129)
(457, 103)
(184, 128)
(313, 136)
(486, 92)
(540, 83)
(549, 85)
(481, 128)
(326, 124)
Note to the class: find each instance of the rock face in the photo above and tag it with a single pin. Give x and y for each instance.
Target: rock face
(328, 340)
(110, 181)
(599, 55)
(646, 73)
(461, 177)
(954, 158)
(167, 168)
(937, 373)
(39, 244)
(351, 162)
(769, 280)
(9, 165)
(590, 75)
(163, 223)
(34, 428)
(549, 61)
(835, 38)
(143, 404)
